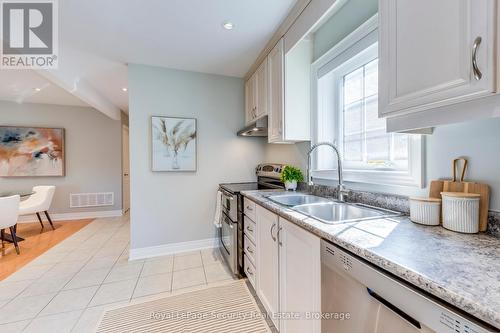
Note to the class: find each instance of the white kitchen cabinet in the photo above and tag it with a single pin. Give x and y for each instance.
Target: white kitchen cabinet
(276, 93)
(289, 93)
(256, 94)
(288, 271)
(435, 53)
(267, 261)
(300, 277)
(262, 90)
(250, 99)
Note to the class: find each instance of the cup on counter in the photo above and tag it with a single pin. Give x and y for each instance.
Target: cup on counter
(426, 211)
(461, 211)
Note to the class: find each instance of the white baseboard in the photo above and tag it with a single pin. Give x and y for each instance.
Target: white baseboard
(72, 216)
(168, 249)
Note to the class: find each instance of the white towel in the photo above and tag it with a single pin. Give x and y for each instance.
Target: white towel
(218, 210)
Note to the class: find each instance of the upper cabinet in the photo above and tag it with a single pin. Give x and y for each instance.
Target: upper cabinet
(256, 94)
(275, 62)
(435, 53)
(288, 68)
(289, 93)
(262, 90)
(250, 104)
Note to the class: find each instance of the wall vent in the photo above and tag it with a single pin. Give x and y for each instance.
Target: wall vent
(78, 200)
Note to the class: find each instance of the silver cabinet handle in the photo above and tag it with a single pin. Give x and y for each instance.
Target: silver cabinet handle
(249, 271)
(249, 250)
(477, 73)
(278, 236)
(272, 236)
(249, 229)
(250, 208)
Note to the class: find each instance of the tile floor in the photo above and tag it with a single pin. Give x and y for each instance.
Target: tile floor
(67, 288)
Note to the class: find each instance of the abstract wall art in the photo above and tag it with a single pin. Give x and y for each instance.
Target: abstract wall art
(31, 151)
(173, 144)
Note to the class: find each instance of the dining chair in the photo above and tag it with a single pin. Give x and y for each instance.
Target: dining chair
(9, 212)
(39, 202)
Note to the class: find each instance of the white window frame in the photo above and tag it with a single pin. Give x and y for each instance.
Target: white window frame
(362, 40)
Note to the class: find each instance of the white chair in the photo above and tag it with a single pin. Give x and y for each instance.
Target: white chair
(9, 212)
(38, 202)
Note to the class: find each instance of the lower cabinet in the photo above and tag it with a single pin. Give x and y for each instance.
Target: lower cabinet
(299, 278)
(267, 262)
(288, 273)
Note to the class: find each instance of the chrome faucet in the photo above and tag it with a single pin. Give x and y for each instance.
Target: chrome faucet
(340, 187)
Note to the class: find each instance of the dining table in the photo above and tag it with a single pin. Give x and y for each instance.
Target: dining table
(22, 194)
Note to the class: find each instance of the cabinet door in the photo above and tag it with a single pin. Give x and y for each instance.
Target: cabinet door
(267, 261)
(300, 277)
(427, 53)
(262, 87)
(276, 88)
(248, 101)
(251, 98)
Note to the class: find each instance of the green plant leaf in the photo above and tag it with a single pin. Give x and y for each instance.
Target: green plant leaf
(291, 173)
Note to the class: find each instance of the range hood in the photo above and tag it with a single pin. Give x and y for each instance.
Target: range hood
(257, 128)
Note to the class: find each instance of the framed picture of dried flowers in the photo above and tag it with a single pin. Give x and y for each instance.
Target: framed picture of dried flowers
(173, 143)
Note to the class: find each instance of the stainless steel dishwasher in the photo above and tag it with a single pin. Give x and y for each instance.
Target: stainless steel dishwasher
(359, 298)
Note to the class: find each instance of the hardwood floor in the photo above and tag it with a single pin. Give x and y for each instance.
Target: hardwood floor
(37, 241)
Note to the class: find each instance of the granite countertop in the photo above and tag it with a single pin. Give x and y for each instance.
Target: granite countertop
(461, 269)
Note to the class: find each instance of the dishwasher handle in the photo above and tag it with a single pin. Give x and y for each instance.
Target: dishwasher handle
(395, 309)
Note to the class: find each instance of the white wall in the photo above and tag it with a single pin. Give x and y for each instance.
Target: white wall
(172, 207)
(291, 154)
(92, 148)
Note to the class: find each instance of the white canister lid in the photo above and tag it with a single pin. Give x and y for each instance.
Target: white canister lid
(425, 199)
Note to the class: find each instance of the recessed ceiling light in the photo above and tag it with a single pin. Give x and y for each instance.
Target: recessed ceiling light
(228, 25)
(124, 89)
(38, 89)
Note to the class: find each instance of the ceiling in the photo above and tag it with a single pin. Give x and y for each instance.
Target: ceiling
(22, 87)
(98, 38)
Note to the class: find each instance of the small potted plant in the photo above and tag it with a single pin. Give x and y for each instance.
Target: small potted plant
(290, 176)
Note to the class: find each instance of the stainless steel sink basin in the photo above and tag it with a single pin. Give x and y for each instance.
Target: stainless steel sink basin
(292, 200)
(329, 211)
(339, 212)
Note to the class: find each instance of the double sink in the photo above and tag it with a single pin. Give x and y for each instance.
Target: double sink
(330, 211)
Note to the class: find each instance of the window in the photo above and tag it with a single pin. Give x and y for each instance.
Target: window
(366, 144)
(345, 82)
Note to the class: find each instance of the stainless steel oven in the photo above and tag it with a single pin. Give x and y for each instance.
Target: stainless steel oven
(228, 233)
(230, 205)
(228, 242)
(231, 232)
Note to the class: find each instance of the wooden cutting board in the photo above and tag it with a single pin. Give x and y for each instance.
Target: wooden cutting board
(454, 185)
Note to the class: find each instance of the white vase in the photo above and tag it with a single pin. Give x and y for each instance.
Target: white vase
(291, 185)
(175, 161)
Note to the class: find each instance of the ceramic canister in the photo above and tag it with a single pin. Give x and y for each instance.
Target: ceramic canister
(461, 211)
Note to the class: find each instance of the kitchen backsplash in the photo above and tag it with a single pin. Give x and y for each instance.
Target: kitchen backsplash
(398, 203)
(494, 224)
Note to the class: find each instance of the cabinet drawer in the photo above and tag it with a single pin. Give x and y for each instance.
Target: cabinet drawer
(250, 229)
(250, 271)
(249, 208)
(250, 249)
